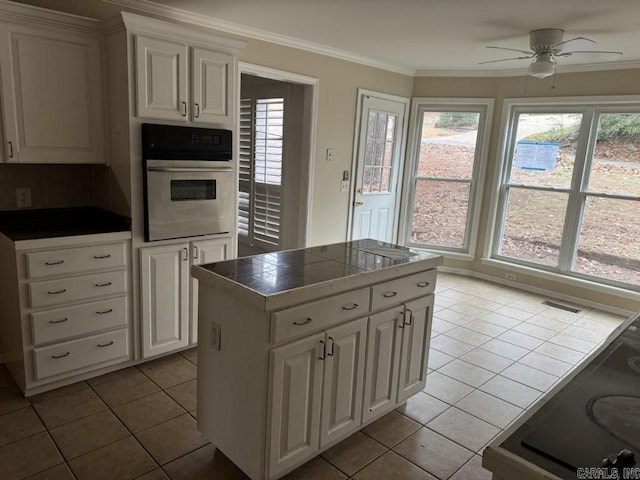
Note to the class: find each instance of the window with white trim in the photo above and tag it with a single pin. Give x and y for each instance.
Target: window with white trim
(260, 177)
(450, 139)
(569, 192)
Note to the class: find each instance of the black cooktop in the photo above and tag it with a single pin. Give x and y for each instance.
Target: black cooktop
(272, 273)
(60, 222)
(597, 415)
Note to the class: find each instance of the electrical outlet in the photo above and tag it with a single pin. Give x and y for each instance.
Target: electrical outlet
(344, 186)
(510, 276)
(23, 197)
(215, 336)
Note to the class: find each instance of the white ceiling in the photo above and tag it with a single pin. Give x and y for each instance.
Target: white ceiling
(433, 37)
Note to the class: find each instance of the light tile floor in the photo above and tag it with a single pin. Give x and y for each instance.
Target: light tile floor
(494, 351)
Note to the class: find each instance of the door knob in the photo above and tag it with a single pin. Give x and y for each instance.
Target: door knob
(358, 203)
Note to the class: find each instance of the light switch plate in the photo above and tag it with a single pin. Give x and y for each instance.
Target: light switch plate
(215, 335)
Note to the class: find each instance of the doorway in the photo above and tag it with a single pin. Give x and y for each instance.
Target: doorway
(381, 130)
(276, 134)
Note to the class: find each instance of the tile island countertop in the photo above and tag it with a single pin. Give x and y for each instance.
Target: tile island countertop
(273, 280)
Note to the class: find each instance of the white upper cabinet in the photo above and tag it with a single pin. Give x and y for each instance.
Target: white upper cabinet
(51, 95)
(177, 82)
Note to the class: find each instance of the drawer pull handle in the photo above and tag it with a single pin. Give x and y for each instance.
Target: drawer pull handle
(333, 347)
(422, 284)
(304, 322)
(59, 262)
(105, 284)
(353, 306)
(102, 345)
(103, 312)
(100, 257)
(389, 294)
(61, 356)
(62, 320)
(56, 292)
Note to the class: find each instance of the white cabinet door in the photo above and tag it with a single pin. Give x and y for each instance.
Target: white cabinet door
(343, 380)
(416, 334)
(205, 251)
(212, 85)
(296, 372)
(164, 290)
(161, 79)
(52, 96)
(383, 357)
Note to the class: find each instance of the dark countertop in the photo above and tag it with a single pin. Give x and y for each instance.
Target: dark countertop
(275, 274)
(60, 222)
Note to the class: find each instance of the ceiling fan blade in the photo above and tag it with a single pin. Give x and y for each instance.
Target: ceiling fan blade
(563, 43)
(526, 52)
(567, 54)
(505, 60)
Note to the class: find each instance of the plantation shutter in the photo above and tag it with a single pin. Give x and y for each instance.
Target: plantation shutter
(260, 170)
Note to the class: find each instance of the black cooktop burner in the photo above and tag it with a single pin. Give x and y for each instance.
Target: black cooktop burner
(599, 418)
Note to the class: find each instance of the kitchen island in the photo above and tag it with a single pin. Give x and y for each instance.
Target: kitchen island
(298, 350)
(580, 428)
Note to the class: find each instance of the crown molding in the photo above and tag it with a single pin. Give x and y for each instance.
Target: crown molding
(592, 67)
(31, 15)
(177, 14)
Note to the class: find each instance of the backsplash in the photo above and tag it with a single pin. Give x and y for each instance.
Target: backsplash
(55, 186)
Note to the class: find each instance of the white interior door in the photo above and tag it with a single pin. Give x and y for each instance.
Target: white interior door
(378, 168)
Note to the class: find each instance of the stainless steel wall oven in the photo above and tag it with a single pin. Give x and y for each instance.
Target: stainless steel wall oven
(188, 181)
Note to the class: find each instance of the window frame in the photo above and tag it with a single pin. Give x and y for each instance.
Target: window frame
(419, 105)
(591, 109)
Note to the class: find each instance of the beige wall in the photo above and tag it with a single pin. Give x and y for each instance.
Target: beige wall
(337, 94)
(619, 82)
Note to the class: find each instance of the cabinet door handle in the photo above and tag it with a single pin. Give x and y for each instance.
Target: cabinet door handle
(100, 257)
(324, 350)
(10, 149)
(61, 356)
(62, 320)
(353, 306)
(195, 251)
(422, 284)
(103, 312)
(102, 345)
(333, 347)
(197, 110)
(401, 324)
(389, 294)
(184, 109)
(57, 262)
(185, 254)
(304, 322)
(410, 317)
(56, 292)
(105, 284)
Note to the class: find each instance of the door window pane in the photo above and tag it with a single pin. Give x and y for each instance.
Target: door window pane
(615, 165)
(608, 246)
(448, 144)
(378, 154)
(545, 149)
(533, 225)
(440, 211)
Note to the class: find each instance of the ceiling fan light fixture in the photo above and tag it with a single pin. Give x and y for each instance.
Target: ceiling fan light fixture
(543, 66)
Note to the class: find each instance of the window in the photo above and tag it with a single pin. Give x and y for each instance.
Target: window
(569, 193)
(260, 179)
(449, 147)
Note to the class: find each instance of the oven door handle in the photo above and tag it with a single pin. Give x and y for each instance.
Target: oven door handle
(189, 169)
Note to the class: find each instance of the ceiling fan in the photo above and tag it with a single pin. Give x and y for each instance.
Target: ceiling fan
(546, 47)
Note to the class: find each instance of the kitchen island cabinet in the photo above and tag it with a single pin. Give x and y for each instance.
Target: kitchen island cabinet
(299, 349)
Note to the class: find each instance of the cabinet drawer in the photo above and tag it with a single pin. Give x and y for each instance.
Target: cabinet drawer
(76, 354)
(310, 317)
(72, 260)
(397, 291)
(75, 289)
(59, 324)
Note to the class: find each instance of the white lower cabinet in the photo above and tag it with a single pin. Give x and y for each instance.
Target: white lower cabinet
(317, 392)
(169, 295)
